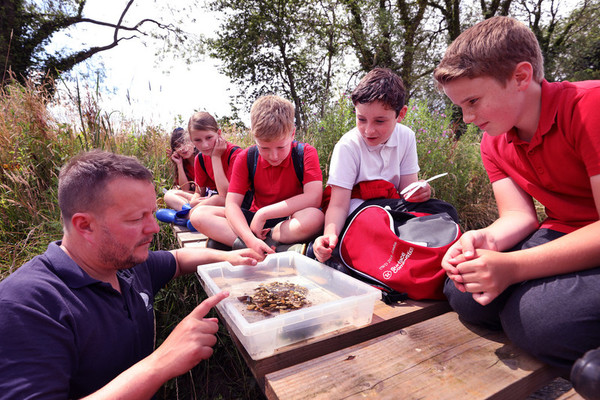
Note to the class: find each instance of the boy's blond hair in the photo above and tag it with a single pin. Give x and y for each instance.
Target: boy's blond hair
(271, 117)
(491, 48)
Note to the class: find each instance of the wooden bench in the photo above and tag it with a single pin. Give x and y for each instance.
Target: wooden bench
(411, 350)
(439, 358)
(186, 238)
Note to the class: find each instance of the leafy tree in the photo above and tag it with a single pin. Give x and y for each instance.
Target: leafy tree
(288, 47)
(395, 35)
(27, 27)
(574, 44)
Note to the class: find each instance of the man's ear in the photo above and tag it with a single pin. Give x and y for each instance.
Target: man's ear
(83, 223)
(402, 113)
(523, 75)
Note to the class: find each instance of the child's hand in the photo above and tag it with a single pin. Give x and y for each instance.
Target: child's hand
(464, 250)
(176, 158)
(486, 275)
(220, 147)
(260, 247)
(323, 247)
(420, 192)
(244, 257)
(257, 225)
(473, 263)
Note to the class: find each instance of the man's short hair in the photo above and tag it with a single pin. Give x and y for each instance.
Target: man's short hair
(271, 117)
(82, 181)
(491, 48)
(380, 84)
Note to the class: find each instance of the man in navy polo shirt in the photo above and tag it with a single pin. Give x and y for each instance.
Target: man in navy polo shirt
(78, 320)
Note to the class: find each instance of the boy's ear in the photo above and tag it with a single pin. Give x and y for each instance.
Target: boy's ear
(402, 114)
(294, 133)
(523, 75)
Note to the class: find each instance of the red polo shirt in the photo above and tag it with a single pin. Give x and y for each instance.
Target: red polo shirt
(273, 184)
(556, 166)
(207, 179)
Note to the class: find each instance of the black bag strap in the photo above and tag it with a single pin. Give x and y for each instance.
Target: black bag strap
(201, 161)
(297, 160)
(231, 153)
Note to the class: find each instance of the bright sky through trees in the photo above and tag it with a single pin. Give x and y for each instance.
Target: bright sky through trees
(138, 87)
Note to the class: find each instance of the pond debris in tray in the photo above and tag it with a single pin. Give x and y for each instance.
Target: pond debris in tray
(276, 296)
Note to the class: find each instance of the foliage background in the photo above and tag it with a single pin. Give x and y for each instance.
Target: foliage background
(310, 52)
(34, 146)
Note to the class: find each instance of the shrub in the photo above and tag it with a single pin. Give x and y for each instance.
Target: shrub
(440, 150)
(338, 119)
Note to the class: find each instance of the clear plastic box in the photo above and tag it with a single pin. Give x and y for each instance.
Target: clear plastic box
(337, 300)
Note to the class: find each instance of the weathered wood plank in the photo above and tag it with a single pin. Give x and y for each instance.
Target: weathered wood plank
(385, 319)
(436, 359)
(186, 238)
(178, 228)
(195, 244)
(570, 395)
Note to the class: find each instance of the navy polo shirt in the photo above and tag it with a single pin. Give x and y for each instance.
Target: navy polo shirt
(65, 334)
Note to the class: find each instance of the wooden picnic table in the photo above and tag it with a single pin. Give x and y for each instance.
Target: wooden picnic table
(410, 350)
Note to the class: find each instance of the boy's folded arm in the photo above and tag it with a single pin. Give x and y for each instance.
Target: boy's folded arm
(517, 215)
(572, 252)
(311, 197)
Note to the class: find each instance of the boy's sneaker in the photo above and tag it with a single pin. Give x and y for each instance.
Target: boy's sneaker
(585, 375)
(295, 247)
(190, 226)
(213, 244)
(272, 243)
(170, 216)
(238, 244)
(185, 210)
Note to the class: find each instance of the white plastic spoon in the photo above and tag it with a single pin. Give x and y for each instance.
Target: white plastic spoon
(413, 187)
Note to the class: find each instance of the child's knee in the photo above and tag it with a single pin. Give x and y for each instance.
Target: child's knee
(201, 216)
(469, 310)
(310, 221)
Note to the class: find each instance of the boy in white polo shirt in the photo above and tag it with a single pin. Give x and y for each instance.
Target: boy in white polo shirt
(379, 150)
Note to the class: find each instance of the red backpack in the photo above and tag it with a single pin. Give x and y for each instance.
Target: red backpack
(399, 252)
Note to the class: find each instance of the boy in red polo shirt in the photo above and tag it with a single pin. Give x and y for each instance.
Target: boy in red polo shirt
(540, 282)
(284, 209)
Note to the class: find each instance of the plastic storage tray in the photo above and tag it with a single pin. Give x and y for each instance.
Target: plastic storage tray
(337, 300)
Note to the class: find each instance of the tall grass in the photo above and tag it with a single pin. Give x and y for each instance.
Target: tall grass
(33, 147)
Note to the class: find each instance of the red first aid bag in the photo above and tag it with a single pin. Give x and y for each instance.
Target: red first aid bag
(399, 251)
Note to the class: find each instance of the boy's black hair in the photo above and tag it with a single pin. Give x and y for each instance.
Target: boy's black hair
(381, 84)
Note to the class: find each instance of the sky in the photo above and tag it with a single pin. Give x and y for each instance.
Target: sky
(137, 87)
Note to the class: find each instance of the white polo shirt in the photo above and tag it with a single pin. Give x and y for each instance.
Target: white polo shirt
(353, 161)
